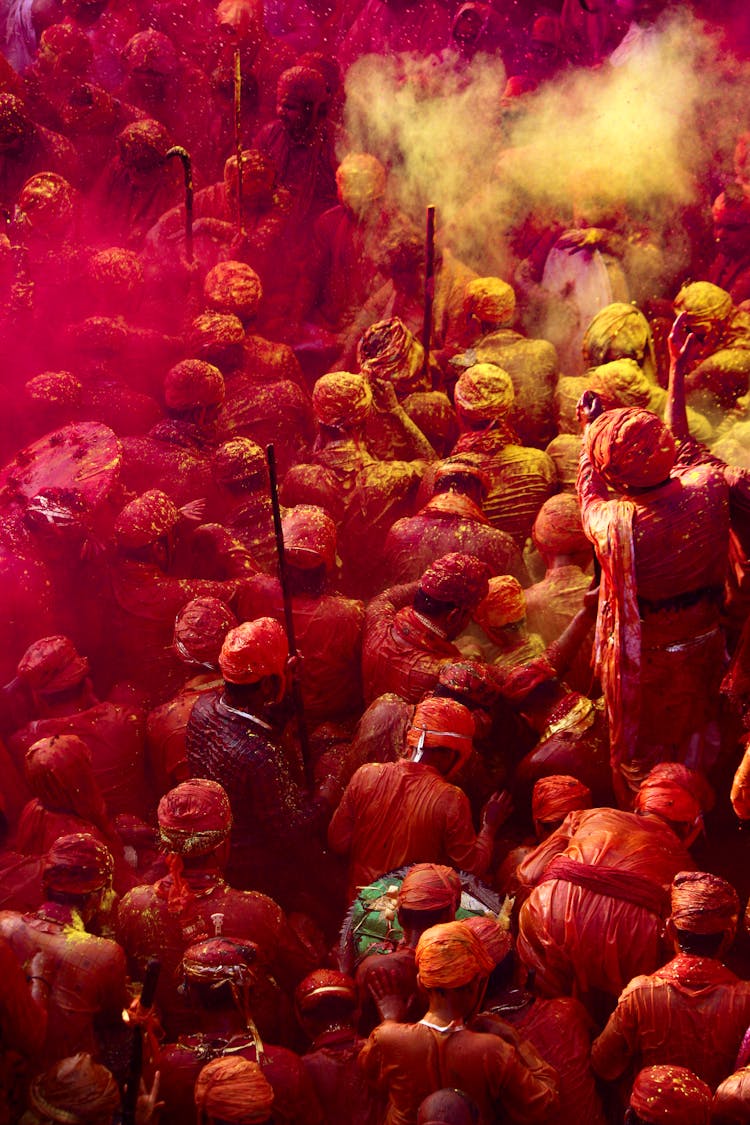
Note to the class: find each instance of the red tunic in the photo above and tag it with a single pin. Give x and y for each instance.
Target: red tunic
(401, 652)
(338, 1082)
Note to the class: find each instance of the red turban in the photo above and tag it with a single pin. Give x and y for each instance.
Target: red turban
(554, 797)
(475, 682)
(303, 83)
(47, 201)
(75, 1090)
(494, 937)
(732, 1098)
(52, 664)
(484, 393)
(239, 460)
(705, 305)
(220, 959)
(558, 529)
(253, 650)
(146, 519)
(194, 817)
(55, 388)
(65, 45)
(116, 270)
(490, 299)
(200, 629)
(309, 537)
(456, 579)
(218, 338)
(730, 211)
(15, 122)
(632, 448)
(674, 792)
(233, 287)
(442, 722)
(191, 383)
(322, 983)
(233, 1089)
(58, 770)
(77, 864)
(504, 604)
(341, 399)
(703, 903)
(430, 886)
(150, 51)
(449, 956)
(144, 144)
(671, 1094)
(389, 351)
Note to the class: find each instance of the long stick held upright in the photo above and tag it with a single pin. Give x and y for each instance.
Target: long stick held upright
(135, 1063)
(238, 134)
(187, 169)
(429, 283)
(288, 615)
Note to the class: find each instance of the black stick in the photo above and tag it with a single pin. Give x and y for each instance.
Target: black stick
(187, 168)
(135, 1069)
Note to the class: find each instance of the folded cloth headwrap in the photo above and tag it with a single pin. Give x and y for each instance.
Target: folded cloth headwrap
(705, 304)
(456, 579)
(200, 629)
(703, 903)
(732, 1098)
(492, 934)
(388, 350)
(429, 886)
(728, 210)
(52, 664)
(671, 1094)
(618, 331)
(47, 202)
(504, 604)
(558, 529)
(454, 470)
(77, 864)
(194, 817)
(309, 537)
(58, 770)
(150, 51)
(620, 382)
(75, 1091)
(474, 682)
(144, 144)
(116, 271)
(233, 287)
(253, 650)
(55, 388)
(233, 1089)
(220, 959)
(322, 983)
(304, 83)
(341, 398)
(217, 337)
(484, 393)
(631, 448)
(674, 792)
(146, 519)
(239, 460)
(442, 722)
(450, 955)
(191, 383)
(554, 797)
(360, 178)
(490, 299)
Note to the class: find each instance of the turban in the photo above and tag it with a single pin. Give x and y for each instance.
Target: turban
(191, 383)
(453, 469)
(731, 211)
(15, 123)
(327, 66)
(456, 579)
(239, 460)
(620, 382)
(218, 338)
(309, 537)
(200, 629)
(242, 15)
(504, 604)
(449, 956)
(55, 388)
(447, 1107)
(75, 1090)
(64, 44)
(221, 959)
(474, 682)
(194, 817)
(77, 864)
(703, 903)
(554, 797)
(618, 331)
(547, 29)
(52, 664)
(144, 144)
(732, 1098)
(705, 304)
(360, 178)
(116, 269)
(48, 202)
(495, 937)
(389, 351)
(258, 173)
(674, 792)
(490, 299)
(253, 650)
(565, 451)
(303, 83)
(430, 886)
(484, 393)
(671, 1094)
(443, 723)
(58, 770)
(145, 519)
(558, 529)
(150, 51)
(233, 287)
(323, 983)
(233, 1089)
(341, 399)
(631, 448)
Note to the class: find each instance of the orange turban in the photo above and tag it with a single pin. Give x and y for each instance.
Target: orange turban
(233, 287)
(449, 956)
(442, 722)
(671, 1094)
(430, 886)
(703, 903)
(77, 864)
(558, 529)
(456, 579)
(631, 448)
(239, 460)
(674, 792)
(75, 1090)
(388, 350)
(191, 383)
(309, 537)
(233, 1089)
(554, 797)
(341, 399)
(704, 304)
(620, 382)
(495, 938)
(52, 664)
(322, 983)
(200, 629)
(218, 338)
(194, 817)
(504, 604)
(490, 299)
(484, 393)
(253, 650)
(146, 519)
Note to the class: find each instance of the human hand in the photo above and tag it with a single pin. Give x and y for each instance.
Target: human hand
(684, 346)
(588, 408)
(497, 810)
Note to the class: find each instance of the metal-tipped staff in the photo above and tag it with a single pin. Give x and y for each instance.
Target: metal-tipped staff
(429, 284)
(238, 134)
(183, 156)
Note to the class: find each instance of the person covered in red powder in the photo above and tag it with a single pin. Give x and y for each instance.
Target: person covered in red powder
(670, 1095)
(234, 1090)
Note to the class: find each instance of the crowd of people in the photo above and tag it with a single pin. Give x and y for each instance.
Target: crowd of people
(374, 737)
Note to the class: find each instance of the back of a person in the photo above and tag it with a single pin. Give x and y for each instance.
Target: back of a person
(611, 838)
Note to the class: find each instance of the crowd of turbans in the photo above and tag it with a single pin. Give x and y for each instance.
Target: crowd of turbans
(375, 729)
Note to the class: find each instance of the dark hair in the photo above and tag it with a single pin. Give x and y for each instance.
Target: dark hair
(700, 945)
(431, 607)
